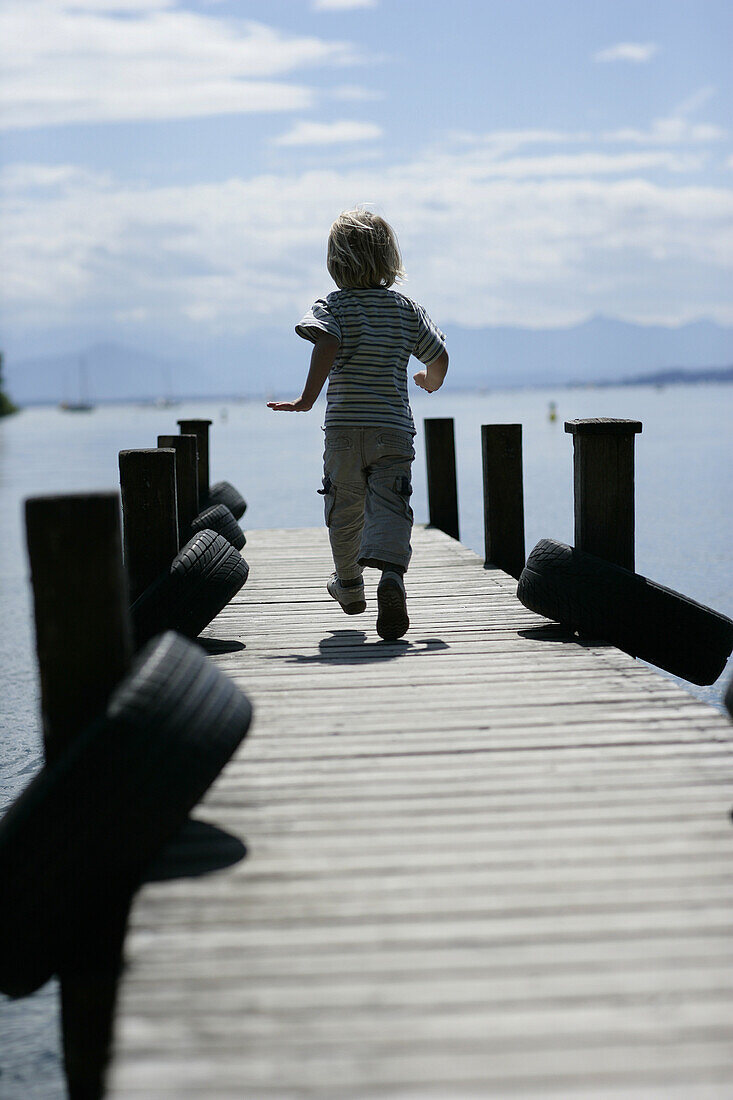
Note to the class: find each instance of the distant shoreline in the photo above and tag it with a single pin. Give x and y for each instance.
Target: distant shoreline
(657, 380)
(671, 377)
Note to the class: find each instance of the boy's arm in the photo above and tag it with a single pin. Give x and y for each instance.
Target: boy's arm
(433, 376)
(322, 359)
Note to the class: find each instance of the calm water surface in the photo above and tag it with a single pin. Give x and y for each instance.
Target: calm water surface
(684, 461)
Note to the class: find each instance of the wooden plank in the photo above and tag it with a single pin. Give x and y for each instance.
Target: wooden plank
(489, 860)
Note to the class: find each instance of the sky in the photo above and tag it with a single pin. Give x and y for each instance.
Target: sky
(169, 170)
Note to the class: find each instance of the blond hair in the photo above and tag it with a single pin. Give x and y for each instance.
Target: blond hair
(363, 251)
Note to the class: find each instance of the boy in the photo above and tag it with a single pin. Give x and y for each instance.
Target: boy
(364, 334)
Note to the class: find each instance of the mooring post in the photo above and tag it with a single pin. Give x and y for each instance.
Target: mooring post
(200, 428)
(148, 482)
(187, 484)
(603, 461)
(440, 456)
(84, 642)
(83, 632)
(501, 452)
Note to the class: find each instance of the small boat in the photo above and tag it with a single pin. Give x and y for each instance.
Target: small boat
(166, 400)
(83, 404)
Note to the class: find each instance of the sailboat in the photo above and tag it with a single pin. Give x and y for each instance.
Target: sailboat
(168, 401)
(83, 404)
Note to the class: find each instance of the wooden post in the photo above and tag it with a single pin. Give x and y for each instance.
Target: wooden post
(84, 641)
(603, 460)
(148, 481)
(501, 452)
(187, 484)
(83, 633)
(440, 455)
(89, 983)
(200, 428)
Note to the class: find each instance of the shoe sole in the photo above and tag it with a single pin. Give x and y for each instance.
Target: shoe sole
(354, 608)
(392, 618)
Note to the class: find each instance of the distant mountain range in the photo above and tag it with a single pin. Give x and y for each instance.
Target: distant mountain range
(600, 351)
(676, 377)
(102, 372)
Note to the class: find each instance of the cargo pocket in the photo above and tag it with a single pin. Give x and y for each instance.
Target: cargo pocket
(398, 443)
(335, 442)
(403, 488)
(328, 492)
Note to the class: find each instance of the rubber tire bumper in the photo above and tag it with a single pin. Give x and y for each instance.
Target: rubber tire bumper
(218, 518)
(223, 492)
(89, 824)
(202, 579)
(646, 620)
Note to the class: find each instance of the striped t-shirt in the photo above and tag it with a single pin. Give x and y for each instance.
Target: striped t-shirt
(378, 329)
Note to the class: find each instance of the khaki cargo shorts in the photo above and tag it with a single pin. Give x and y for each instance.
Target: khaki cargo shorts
(367, 487)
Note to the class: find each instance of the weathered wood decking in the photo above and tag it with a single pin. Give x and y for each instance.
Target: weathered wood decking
(487, 861)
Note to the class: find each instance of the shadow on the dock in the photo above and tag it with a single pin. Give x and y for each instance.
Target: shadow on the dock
(350, 647)
(553, 632)
(220, 645)
(197, 849)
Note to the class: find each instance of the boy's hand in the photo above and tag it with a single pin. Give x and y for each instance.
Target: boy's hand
(432, 378)
(298, 406)
(421, 378)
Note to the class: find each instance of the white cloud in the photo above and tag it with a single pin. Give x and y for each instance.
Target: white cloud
(342, 5)
(19, 177)
(123, 7)
(355, 93)
(68, 61)
(497, 155)
(694, 101)
(669, 131)
(677, 128)
(487, 240)
(501, 142)
(328, 133)
(628, 51)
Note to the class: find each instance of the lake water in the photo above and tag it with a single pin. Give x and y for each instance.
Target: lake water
(684, 525)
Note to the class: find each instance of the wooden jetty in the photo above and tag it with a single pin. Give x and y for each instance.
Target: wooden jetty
(488, 860)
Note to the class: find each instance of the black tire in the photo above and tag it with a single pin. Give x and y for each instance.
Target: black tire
(203, 577)
(218, 518)
(223, 492)
(603, 600)
(80, 836)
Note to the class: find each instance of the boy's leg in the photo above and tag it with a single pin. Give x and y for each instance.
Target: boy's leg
(344, 484)
(388, 525)
(385, 542)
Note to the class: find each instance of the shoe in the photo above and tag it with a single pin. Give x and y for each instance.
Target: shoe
(392, 619)
(351, 599)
